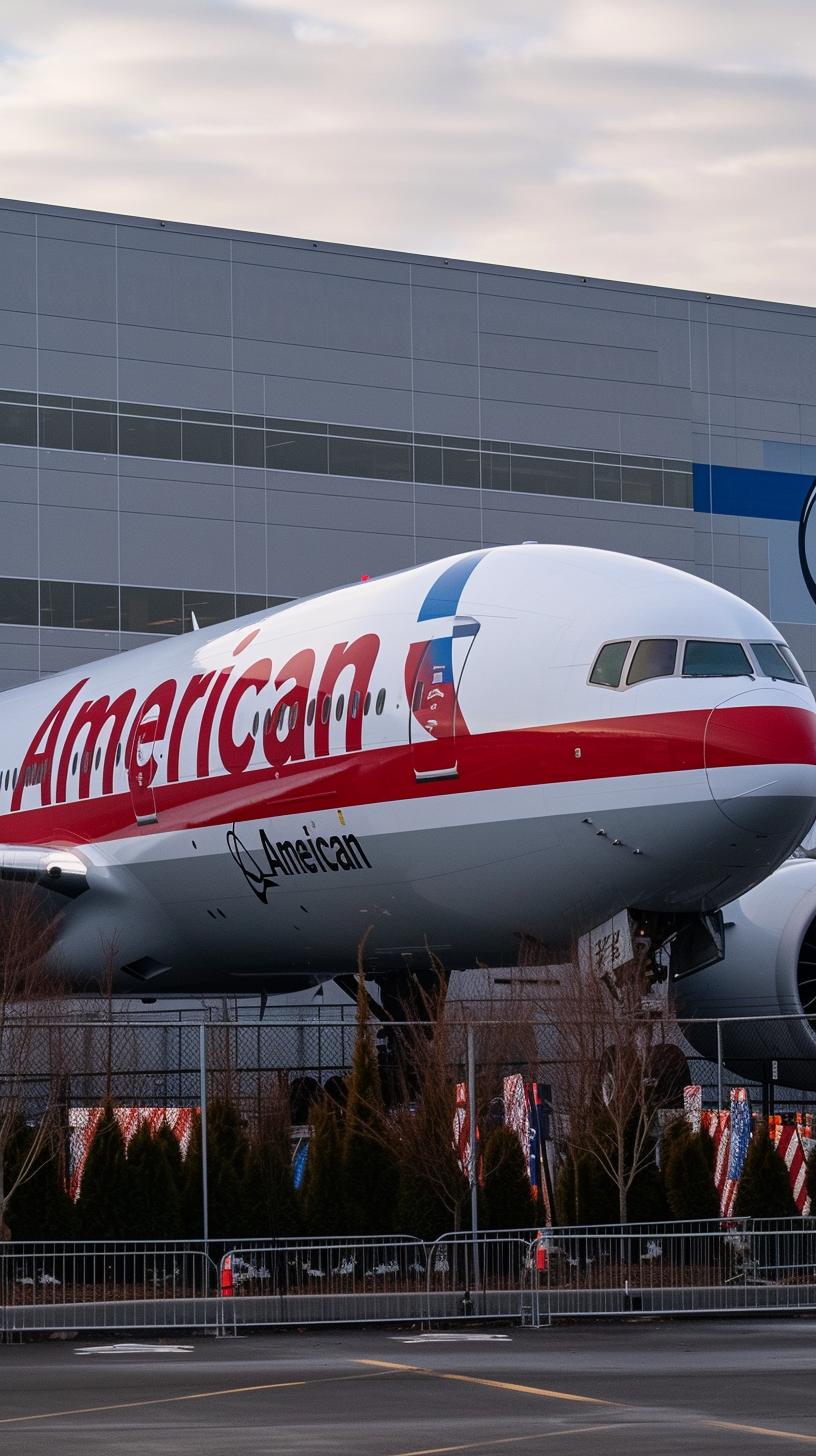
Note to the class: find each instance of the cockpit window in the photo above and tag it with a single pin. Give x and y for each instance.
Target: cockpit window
(716, 659)
(609, 665)
(792, 663)
(654, 657)
(771, 662)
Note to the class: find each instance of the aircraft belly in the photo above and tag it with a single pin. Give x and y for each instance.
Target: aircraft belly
(245, 906)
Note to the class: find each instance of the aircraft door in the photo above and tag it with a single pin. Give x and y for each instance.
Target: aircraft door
(435, 719)
(142, 769)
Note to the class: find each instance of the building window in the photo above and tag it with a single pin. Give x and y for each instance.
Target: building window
(58, 422)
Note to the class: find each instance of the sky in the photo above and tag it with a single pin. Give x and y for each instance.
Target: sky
(665, 142)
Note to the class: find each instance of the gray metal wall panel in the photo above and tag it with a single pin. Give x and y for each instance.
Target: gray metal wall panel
(250, 503)
(655, 435)
(18, 278)
(557, 356)
(65, 228)
(18, 368)
(589, 429)
(16, 677)
(287, 305)
(17, 329)
(329, 488)
(447, 414)
(748, 453)
(174, 346)
(18, 656)
(321, 258)
(152, 236)
(576, 392)
(139, 467)
(78, 544)
(177, 551)
(250, 558)
(187, 385)
(525, 317)
(444, 324)
(80, 336)
(345, 510)
(446, 379)
(170, 291)
(773, 417)
(62, 659)
(18, 540)
(754, 587)
(89, 489)
(775, 364)
(20, 219)
(17, 482)
(314, 399)
(722, 410)
(76, 279)
(90, 375)
(307, 558)
(249, 393)
(165, 498)
(306, 361)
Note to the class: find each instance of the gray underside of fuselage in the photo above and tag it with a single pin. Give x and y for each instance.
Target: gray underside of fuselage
(468, 893)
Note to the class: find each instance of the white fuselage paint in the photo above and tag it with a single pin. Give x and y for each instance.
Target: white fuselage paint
(517, 800)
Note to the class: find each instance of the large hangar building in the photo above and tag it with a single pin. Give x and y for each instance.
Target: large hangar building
(198, 421)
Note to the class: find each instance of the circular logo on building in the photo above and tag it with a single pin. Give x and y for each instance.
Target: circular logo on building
(807, 540)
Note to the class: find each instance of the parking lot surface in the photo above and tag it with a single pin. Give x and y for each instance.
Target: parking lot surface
(621, 1389)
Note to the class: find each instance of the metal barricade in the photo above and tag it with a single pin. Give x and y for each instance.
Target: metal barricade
(487, 1275)
(721, 1267)
(138, 1285)
(322, 1281)
(715, 1267)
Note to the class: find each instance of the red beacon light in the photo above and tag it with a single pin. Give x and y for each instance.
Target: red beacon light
(365, 578)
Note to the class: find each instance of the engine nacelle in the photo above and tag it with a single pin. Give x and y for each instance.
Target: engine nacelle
(769, 969)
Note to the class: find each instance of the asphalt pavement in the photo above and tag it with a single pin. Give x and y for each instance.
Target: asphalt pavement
(588, 1390)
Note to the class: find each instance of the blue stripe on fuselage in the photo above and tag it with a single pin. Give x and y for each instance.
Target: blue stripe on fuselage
(443, 598)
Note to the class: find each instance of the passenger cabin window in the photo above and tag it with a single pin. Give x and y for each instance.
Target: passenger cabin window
(609, 665)
(771, 662)
(716, 659)
(653, 657)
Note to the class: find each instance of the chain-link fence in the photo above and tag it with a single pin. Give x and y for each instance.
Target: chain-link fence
(157, 1060)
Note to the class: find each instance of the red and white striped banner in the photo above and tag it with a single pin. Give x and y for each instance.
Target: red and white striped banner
(83, 1122)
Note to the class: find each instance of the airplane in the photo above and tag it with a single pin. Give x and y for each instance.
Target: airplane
(507, 747)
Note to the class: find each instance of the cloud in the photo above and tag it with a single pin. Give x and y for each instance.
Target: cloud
(665, 141)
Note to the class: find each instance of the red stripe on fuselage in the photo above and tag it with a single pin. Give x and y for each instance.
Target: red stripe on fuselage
(609, 748)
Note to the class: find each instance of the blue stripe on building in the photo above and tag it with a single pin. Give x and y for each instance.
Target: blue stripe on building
(769, 494)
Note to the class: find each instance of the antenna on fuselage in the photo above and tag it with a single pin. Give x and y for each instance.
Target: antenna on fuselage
(194, 620)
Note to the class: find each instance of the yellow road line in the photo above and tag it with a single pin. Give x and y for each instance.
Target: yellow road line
(496, 1384)
(514, 1440)
(759, 1430)
(89, 1410)
(175, 1399)
(588, 1399)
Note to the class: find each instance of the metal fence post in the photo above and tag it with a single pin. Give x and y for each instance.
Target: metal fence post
(202, 1092)
(719, 1067)
(474, 1186)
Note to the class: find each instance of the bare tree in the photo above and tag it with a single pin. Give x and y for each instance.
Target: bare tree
(430, 1063)
(610, 1032)
(30, 1049)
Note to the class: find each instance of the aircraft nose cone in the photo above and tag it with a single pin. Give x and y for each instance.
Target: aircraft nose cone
(760, 760)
